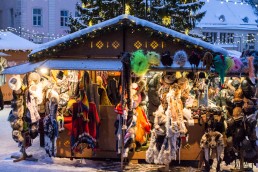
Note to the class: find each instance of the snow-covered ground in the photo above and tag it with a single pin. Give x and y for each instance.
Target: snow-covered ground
(8, 147)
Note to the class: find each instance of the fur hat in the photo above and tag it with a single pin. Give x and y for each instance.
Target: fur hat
(15, 82)
(153, 58)
(19, 112)
(237, 65)
(238, 96)
(17, 124)
(180, 58)
(169, 77)
(237, 113)
(236, 83)
(34, 77)
(207, 60)
(36, 91)
(17, 136)
(248, 106)
(229, 64)
(194, 59)
(249, 151)
(73, 76)
(248, 88)
(33, 130)
(202, 75)
(139, 63)
(60, 75)
(52, 94)
(219, 62)
(166, 59)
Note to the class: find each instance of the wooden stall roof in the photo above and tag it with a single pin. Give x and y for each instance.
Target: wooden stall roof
(123, 33)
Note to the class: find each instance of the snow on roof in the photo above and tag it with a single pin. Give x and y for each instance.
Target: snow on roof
(137, 21)
(232, 13)
(10, 41)
(3, 54)
(234, 53)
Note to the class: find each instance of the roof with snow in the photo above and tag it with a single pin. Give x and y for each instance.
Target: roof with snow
(44, 49)
(10, 41)
(229, 15)
(3, 54)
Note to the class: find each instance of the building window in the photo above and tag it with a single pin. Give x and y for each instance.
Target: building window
(250, 38)
(226, 37)
(210, 36)
(64, 18)
(230, 37)
(12, 17)
(37, 17)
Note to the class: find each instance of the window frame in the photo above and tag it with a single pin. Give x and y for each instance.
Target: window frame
(64, 19)
(37, 17)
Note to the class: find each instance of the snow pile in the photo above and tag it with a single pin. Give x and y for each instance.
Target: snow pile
(10, 41)
(234, 15)
(44, 163)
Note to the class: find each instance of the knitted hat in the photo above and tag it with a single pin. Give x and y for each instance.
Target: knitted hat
(207, 60)
(15, 82)
(238, 96)
(237, 113)
(166, 59)
(180, 58)
(139, 63)
(34, 77)
(119, 109)
(237, 65)
(153, 58)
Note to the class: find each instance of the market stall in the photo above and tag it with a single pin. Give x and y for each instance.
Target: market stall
(100, 53)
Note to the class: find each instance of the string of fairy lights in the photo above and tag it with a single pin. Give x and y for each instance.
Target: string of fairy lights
(236, 2)
(32, 34)
(41, 37)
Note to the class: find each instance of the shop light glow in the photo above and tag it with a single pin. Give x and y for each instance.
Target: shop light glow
(43, 70)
